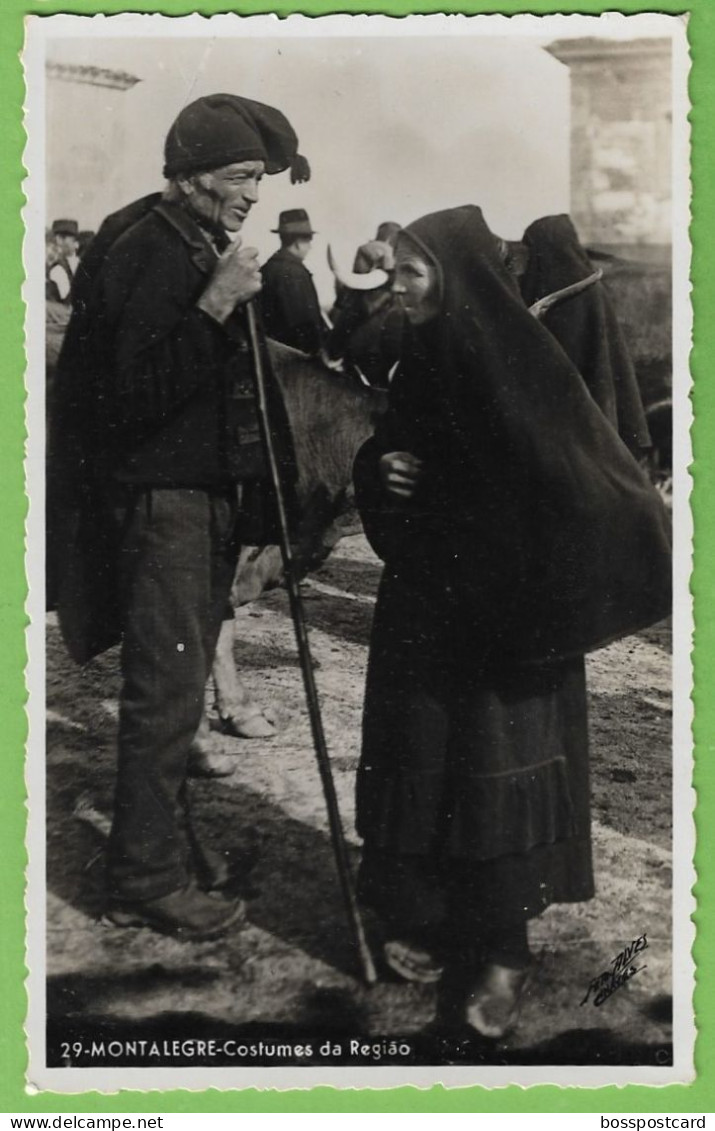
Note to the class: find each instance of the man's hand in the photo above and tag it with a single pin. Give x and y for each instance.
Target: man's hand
(236, 279)
(400, 473)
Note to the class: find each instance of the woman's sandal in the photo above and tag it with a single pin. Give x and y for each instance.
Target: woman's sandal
(411, 962)
(254, 723)
(493, 1001)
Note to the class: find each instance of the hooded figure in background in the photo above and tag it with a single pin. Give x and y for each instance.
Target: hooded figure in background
(586, 328)
(518, 533)
(155, 464)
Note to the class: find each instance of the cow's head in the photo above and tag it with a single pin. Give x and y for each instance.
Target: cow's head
(358, 281)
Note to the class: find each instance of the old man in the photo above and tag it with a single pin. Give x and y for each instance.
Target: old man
(156, 399)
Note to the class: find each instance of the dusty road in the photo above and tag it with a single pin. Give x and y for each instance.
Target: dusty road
(291, 969)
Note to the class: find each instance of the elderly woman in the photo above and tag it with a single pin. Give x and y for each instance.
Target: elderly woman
(518, 533)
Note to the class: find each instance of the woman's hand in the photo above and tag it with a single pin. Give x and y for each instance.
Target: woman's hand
(400, 473)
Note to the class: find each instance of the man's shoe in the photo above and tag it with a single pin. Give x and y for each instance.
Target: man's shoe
(212, 869)
(186, 914)
(205, 763)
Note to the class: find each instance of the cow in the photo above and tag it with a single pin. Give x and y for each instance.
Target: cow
(331, 416)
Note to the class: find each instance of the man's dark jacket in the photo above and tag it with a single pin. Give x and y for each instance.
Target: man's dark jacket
(150, 392)
(289, 303)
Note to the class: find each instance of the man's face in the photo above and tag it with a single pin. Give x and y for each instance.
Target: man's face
(67, 244)
(302, 246)
(52, 252)
(225, 196)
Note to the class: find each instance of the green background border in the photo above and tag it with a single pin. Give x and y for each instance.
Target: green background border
(698, 1097)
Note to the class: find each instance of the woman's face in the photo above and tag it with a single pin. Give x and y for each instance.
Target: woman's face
(415, 284)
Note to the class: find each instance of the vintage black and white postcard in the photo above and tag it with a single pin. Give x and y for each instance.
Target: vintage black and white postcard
(358, 545)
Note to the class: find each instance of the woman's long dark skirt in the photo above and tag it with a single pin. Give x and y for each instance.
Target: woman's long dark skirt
(473, 789)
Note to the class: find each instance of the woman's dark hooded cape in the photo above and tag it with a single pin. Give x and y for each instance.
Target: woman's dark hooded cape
(534, 535)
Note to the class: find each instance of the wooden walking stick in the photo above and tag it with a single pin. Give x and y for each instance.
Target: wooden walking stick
(337, 836)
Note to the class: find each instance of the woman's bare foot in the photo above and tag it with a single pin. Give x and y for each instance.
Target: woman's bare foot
(493, 1000)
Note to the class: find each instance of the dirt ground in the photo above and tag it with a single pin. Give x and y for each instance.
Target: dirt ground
(291, 969)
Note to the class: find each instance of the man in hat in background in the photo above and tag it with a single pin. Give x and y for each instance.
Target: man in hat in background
(289, 301)
(61, 274)
(156, 424)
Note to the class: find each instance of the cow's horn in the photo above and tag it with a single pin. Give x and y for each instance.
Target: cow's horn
(540, 308)
(355, 282)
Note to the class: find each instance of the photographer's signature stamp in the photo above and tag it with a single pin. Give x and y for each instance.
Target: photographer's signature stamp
(623, 967)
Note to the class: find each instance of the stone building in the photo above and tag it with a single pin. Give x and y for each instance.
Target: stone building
(87, 124)
(620, 143)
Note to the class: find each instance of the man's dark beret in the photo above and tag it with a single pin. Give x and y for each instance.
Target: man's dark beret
(221, 129)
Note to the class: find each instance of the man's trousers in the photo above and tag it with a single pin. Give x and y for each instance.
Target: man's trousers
(178, 555)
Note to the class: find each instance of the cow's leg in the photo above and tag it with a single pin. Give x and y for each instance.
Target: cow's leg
(231, 695)
(239, 713)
